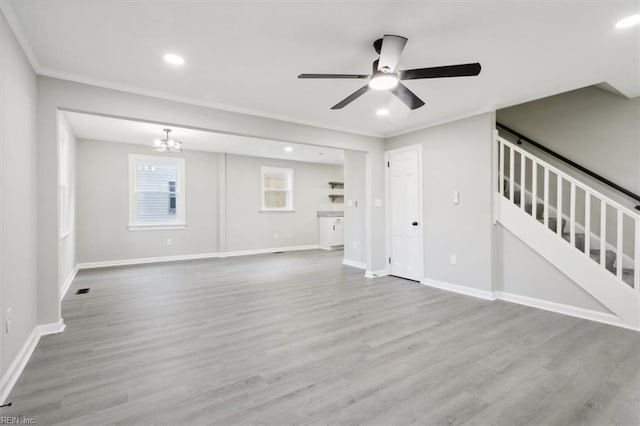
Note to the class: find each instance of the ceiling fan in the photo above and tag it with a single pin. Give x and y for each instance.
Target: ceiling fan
(385, 76)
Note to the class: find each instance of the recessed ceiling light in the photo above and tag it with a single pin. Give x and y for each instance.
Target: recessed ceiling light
(629, 21)
(382, 112)
(174, 59)
(288, 149)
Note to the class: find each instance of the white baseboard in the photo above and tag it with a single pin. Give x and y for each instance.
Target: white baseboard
(67, 282)
(9, 379)
(461, 289)
(141, 261)
(268, 250)
(354, 263)
(376, 274)
(126, 262)
(560, 308)
(52, 328)
(546, 305)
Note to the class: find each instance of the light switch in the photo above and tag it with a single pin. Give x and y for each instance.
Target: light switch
(350, 203)
(377, 202)
(456, 197)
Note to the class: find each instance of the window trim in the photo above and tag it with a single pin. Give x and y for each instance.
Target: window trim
(290, 172)
(181, 215)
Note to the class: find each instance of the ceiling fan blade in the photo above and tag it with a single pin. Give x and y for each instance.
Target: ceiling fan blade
(462, 70)
(407, 96)
(352, 97)
(355, 76)
(392, 47)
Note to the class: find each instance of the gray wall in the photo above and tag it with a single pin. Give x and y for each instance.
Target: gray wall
(17, 195)
(524, 272)
(248, 228)
(354, 206)
(595, 128)
(68, 243)
(457, 157)
(103, 206)
(490, 258)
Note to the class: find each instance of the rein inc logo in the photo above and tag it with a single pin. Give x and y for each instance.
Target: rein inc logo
(17, 420)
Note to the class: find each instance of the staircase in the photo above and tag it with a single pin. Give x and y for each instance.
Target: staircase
(591, 238)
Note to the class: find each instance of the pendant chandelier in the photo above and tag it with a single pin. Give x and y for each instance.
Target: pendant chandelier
(167, 144)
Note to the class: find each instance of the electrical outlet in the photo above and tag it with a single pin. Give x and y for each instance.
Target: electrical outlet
(275, 236)
(8, 320)
(456, 197)
(454, 259)
(169, 241)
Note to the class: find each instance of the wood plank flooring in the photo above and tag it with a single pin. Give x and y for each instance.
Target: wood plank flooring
(298, 338)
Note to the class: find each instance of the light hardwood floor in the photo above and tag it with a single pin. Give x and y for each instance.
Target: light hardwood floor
(298, 338)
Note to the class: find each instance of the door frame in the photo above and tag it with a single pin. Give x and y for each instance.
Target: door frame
(387, 181)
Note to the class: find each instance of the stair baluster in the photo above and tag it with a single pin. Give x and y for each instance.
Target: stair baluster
(514, 187)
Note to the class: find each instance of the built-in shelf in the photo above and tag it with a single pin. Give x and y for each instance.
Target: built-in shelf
(334, 197)
(336, 185)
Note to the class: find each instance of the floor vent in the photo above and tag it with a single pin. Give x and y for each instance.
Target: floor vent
(83, 291)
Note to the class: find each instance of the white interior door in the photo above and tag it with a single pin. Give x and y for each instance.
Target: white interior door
(404, 201)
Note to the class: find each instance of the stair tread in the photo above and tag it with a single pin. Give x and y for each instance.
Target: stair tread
(568, 234)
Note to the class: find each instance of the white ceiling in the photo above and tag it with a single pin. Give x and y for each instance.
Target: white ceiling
(245, 56)
(96, 127)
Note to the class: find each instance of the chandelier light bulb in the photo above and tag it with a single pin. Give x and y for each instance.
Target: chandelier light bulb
(167, 144)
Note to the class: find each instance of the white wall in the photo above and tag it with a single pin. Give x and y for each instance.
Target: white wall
(68, 242)
(54, 94)
(354, 207)
(457, 157)
(103, 206)
(250, 229)
(18, 204)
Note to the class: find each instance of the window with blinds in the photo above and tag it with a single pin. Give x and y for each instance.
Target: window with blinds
(157, 192)
(277, 189)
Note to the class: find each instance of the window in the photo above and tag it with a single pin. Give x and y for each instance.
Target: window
(64, 195)
(277, 189)
(156, 199)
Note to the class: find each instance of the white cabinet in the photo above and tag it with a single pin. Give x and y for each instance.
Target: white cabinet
(331, 232)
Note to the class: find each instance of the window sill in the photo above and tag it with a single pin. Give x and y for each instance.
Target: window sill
(277, 211)
(157, 227)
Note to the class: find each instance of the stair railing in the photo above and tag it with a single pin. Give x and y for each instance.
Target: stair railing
(523, 138)
(506, 148)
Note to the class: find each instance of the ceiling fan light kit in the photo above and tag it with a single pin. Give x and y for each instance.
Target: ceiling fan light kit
(383, 81)
(385, 76)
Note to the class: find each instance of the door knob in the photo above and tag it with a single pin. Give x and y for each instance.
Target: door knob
(414, 223)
